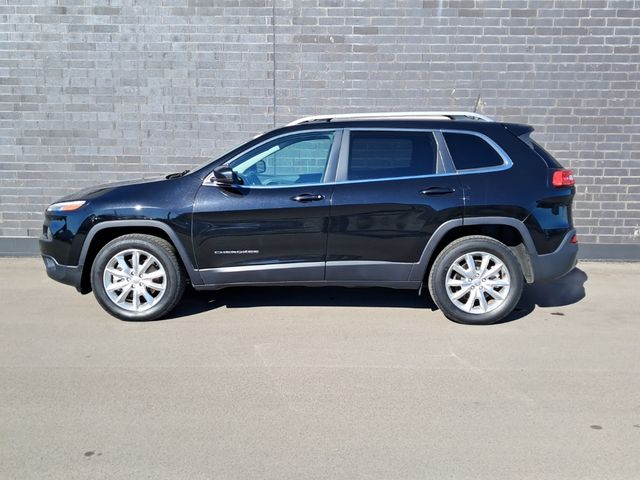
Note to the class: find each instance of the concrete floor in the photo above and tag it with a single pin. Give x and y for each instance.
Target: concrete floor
(294, 383)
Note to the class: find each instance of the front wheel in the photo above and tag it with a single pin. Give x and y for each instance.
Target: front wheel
(476, 280)
(138, 277)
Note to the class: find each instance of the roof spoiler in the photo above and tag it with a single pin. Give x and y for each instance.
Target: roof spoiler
(521, 131)
(518, 128)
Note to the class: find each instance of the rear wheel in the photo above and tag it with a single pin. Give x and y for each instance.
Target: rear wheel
(476, 280)
(138, 277)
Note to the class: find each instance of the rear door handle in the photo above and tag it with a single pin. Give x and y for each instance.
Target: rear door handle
(308, 197)
(437, 191)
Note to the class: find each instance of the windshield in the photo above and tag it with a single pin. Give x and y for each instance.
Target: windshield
(225, 156)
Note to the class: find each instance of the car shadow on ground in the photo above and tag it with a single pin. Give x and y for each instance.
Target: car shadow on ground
(557, 293)
(561, 292)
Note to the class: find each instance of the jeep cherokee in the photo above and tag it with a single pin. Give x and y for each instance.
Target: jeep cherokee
(472, 207)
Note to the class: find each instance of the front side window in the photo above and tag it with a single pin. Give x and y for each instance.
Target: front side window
(290, 160)
(471, 151)
(389, 154)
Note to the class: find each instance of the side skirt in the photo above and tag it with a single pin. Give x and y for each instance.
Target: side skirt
(408, 285)
(312, 274)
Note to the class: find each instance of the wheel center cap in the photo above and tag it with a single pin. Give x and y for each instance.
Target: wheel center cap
(135, 279)
(477, 282)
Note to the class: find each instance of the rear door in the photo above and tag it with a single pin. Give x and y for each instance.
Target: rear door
(393, 190)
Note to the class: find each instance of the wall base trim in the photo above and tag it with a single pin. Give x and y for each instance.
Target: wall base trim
(19, 247)
(614, 252)
(28, 247)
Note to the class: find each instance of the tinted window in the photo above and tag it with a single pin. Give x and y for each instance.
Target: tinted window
(471, 151)
(288, 160)
(391, 154)
(546, 156)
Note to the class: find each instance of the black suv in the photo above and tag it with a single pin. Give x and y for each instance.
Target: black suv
(471, 207)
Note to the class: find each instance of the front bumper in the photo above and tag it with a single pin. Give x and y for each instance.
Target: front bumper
(557, 263)
(69, 275)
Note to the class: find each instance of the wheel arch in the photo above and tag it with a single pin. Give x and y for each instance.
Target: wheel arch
(104, 232)
(510, 231)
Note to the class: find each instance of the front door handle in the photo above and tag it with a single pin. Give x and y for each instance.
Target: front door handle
(308, 197)
(437, 191)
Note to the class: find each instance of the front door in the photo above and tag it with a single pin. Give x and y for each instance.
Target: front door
(389, 198)
(273, 226)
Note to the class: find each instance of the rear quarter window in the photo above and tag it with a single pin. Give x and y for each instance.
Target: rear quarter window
(471, 151)
(546, 156)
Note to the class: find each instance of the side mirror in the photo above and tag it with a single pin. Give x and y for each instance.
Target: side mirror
(224, 176)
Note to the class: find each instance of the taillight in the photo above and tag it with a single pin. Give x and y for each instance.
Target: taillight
(563, 178)
(574, 239)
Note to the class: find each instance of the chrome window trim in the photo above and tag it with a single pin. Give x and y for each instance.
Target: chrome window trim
(344, 154)
(448, 164)
(387, 179)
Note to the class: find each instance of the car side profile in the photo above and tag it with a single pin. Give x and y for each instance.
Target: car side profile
(469, 207)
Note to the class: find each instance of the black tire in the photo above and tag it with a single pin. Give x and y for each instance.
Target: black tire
(163, 251)
(445, 261)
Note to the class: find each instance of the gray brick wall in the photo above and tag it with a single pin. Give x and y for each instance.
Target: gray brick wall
(95, 91)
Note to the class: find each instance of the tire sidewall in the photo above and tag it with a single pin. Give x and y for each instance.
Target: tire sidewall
(118, 245)
(441, 267)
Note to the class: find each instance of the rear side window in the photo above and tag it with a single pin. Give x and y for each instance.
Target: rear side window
(384, 154)
(470, 151)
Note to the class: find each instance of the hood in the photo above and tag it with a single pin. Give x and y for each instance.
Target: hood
(97, 191)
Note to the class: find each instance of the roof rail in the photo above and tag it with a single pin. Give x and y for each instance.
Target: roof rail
(351, 116)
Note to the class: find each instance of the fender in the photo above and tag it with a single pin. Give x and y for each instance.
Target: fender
(420, 269)
(194, 276)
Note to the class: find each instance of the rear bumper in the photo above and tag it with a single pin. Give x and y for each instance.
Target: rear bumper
(557, 263)
(69, 275)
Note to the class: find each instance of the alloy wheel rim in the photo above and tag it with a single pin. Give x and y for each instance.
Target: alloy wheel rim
(134, 280)
(478, 282)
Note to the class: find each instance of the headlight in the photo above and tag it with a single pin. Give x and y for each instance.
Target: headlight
(66, 206)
